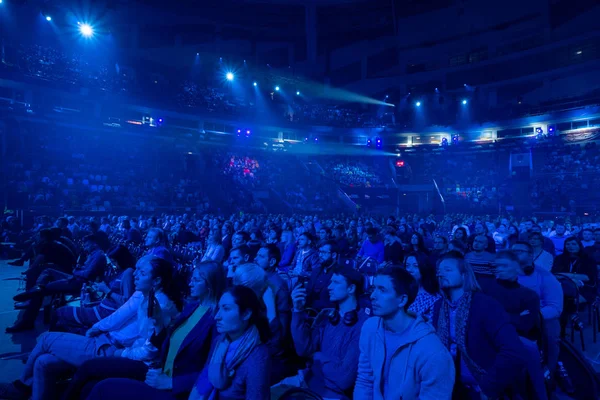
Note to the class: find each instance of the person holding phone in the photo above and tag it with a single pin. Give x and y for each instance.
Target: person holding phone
(124, 333)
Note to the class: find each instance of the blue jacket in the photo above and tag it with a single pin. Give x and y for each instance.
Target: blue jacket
(192, 354)
(93, 268)
(492, 343)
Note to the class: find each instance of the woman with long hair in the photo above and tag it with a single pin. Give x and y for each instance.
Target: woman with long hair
(238, 365)
(461, 235)
(424, 272)
(118, 290)
(575, 261)
(124, 333)
(214, 249)
(184, 349)
(417, 244)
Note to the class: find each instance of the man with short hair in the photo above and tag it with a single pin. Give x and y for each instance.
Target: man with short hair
(306, 259)
(548, 244)
(287, 246)
(339, 235)
(268, 258)
(550, 293)
(331, 341)
(558, 237)
(478, 333)
(238, 256)
(481, 261)
(587, 237)
(400, 354)
(317, 295)
(372, 247)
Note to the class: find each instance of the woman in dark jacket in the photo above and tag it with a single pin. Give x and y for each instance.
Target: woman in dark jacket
(575, 261)
(119, 289)
(184, 347)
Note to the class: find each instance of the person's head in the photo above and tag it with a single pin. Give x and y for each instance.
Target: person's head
(126, 224)
(324, 234)
(268, 257)
(524, 252)
(587, 234)
(152, 272)
(62, 222)
(423, 271)
(395, 289)
(345, 283)
(208, 282)
(388, 233)
(252, 276)
(328, 252)
(121, 257)
(528, 225)
(440, 244)
(240, 238)
(513, 230)
(305, 241)
(455, 273)
(338, 231)
(536, 240)
(460, 233)
(536, 228)
(227, 229)
(239, 309)
(155, 237)
(480, 228)
(274, 233)
(239, 255)
(256, 235)
(480, 243)
(573, 246)
(508, 266)
(372, 235)
(90, 243)
(287, 236)
(457, 245)
(560, 228)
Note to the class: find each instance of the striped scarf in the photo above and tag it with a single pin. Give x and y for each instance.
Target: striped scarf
(460, 326)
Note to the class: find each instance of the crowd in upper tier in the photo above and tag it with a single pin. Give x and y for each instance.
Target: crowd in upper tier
(254, 306)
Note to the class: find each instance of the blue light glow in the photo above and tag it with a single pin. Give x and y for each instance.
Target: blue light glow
(418, 104)
(229, 76)
(277, 88)
(86, 30)
(255, 84)
(48, 18)
(464, 102)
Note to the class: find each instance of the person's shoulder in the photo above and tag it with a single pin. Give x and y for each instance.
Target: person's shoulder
(368, 323)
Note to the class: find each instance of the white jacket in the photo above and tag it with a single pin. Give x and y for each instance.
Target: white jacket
(130, 327)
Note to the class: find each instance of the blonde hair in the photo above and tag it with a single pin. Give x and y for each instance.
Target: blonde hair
(470, 283)
(252, 276)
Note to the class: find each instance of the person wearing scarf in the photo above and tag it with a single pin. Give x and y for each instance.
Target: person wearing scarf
(239, 364)
(475, 328)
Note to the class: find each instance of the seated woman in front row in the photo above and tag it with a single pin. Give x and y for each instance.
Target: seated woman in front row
(184, 347)
(238, 366)
(116, 293)
(123, 333)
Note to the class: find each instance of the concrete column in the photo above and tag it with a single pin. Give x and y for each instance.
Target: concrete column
(311, 32)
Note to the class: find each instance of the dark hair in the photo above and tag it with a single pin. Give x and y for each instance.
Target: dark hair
(508, 255)
(429, 280)
(404, 283)
(536, 234)
(56, 233)
(420, 242)
(247, 300)
(245, 236)
(470, 280)
(463, 230)
(228, 227)
(170, 283)
(576, 240)
(126, 224)
(92, 239)
(273, 251)
(353, 277)
(308, 236)
(122, 256)
(244, 250)
(526, 244)
(333, 245)
(216, 279)
(160, 234)
(371, 231)
(47, 234)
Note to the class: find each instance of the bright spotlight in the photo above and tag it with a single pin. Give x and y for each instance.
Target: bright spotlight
(277, 88)
(229, 76)
(298, 93)
(418, 104)
(464, 102)
(255, 84)
(48, 18)
(86, 30)
(0, 1)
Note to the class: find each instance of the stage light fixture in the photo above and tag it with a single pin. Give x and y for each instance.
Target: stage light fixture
(418, 104)
(229, 76)
(464, 102)
(48, 18)
(277, 88)
(255, 84)
(86, 30)
(298, 93)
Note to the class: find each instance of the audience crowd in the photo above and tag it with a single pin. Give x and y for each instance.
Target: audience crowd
(258, 305)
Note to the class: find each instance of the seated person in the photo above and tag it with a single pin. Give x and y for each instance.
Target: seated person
(184, 347)
(331, 342)
(52, 281)
(124, 333)
(418, 265)
(156, 244)
(400, 354)
(372, 247)
(116, 293)
(317, 294)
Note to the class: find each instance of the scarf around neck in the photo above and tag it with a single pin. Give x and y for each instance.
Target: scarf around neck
(463, 306)
(221, 369)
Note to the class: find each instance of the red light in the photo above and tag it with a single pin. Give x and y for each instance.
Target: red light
(399, 163)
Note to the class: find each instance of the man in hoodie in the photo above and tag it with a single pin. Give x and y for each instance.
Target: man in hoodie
(400, 354)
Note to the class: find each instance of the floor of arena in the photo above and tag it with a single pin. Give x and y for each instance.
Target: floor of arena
(14, 347)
